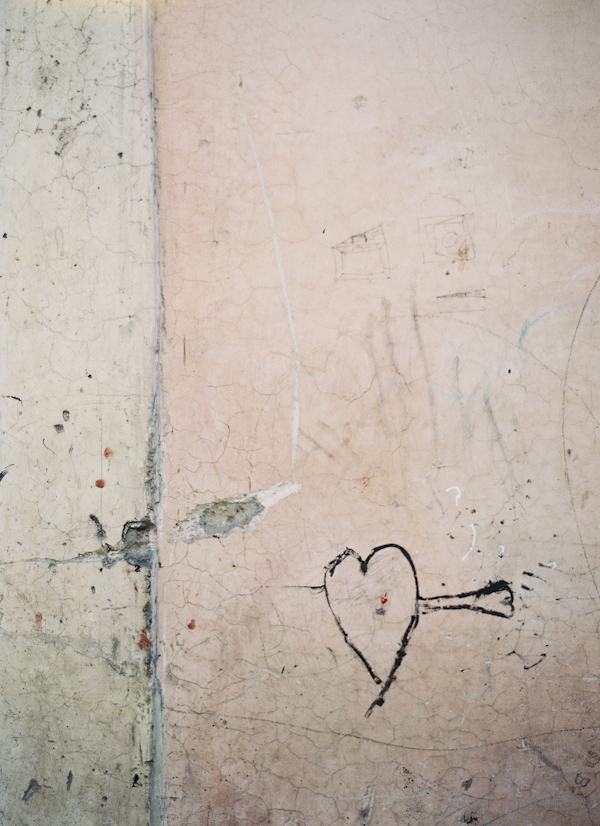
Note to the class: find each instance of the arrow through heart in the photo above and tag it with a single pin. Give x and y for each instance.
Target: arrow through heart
(376, 604)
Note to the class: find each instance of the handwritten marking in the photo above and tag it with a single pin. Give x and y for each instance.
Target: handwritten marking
(501, 550)
(458, 495)
(460, 397)
(472, 543)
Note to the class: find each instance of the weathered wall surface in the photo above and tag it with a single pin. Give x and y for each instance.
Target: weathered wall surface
(380, 230)
(76, 393)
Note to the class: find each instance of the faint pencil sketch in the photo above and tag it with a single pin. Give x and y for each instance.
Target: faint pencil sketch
(446, 237)
(376, 605)
(362, 256)
(472, 301)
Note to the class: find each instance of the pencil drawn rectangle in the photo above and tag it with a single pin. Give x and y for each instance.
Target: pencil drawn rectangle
(467, 302)
(362, 256)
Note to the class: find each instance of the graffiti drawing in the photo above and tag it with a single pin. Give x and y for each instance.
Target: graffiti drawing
(362, 256)
(447, 236)
(376, 605)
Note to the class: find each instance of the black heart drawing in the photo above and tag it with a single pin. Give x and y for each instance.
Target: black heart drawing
(376, 604)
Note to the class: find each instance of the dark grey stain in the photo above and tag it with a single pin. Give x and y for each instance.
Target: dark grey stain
(33, 787)
(69, 781)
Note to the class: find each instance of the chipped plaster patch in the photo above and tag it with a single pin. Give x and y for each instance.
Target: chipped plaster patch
(224, 516)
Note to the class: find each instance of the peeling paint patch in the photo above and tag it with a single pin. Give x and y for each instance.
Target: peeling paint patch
(224, 516)
(366, 813)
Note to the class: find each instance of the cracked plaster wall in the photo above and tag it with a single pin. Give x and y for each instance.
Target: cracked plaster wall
(379, 232)
(379, 227)
(76, 401)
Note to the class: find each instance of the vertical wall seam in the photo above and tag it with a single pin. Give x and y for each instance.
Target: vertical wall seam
(154, 457)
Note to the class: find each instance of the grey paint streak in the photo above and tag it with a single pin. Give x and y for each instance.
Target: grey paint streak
(33, 787)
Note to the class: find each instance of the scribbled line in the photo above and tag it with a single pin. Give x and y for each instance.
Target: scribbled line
(518, 809)
(334, 733)
(468, 600)
(463, 398)
(238, 513)
(472, 543)
(465, 302)
(279, 260)
(551, 311)
(462, 808)
(564, 440)
(458, 495)
(5, 471)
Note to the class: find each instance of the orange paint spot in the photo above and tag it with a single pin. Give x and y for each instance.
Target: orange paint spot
(108, 452)
(38, 621)
(383, 600)
(100, 483)
(192, 625)
(144, 642)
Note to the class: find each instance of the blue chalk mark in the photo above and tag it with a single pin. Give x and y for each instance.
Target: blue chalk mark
(552, 310)
(460, 397)
(528, 327)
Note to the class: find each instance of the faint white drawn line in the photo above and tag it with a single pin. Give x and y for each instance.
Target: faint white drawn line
(296, 403)
(472, 543)
(457, 497)
(501, 550)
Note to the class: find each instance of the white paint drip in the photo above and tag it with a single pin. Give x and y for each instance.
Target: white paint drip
(458, 495)
(296, 402)
(366, 813)
(472, 543)
(271, 496)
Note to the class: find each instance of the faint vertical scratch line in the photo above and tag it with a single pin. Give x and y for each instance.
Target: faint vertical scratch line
(154, 463)
(512, 217)
(427, 376)
(564, 440)
(296, 403)
(452, 89)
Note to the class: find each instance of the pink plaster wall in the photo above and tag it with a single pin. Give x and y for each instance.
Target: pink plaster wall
(379, 238)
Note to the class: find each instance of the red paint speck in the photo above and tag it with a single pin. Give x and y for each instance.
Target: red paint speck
(144, 642)
(38, 621)
(383, 600)
(108, 452)
(192, 625)
(100, 483)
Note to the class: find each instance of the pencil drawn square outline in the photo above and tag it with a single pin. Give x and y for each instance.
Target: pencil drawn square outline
(446, 237)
